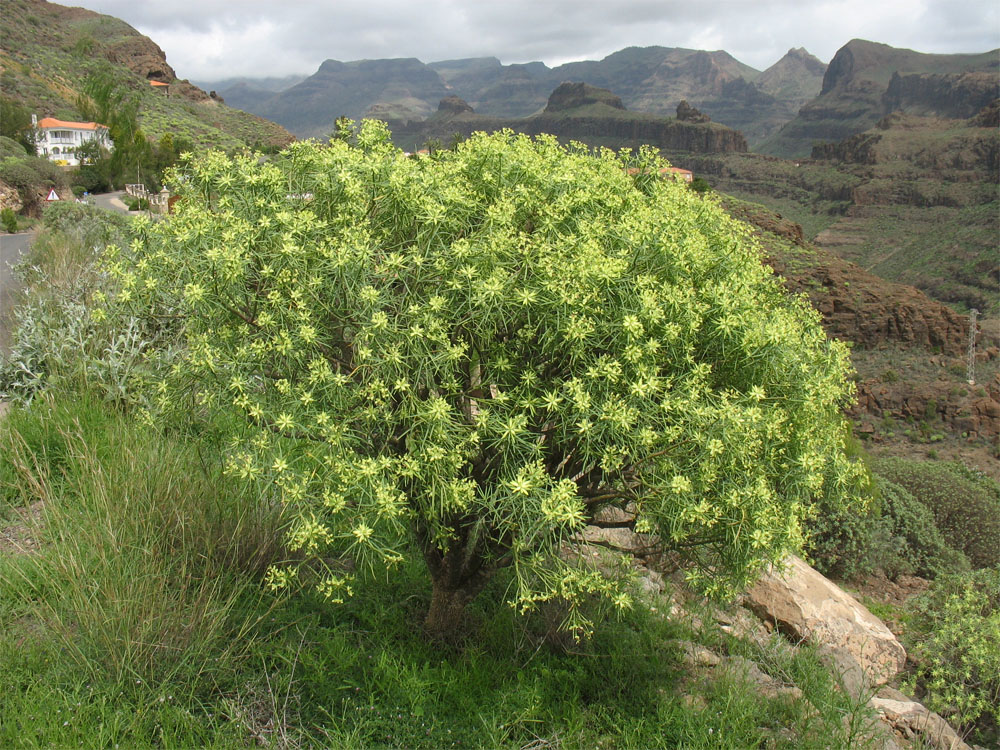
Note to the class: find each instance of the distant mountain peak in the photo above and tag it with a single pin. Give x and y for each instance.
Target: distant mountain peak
(570, 95)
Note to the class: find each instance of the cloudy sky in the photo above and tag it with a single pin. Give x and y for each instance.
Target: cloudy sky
(209, 40)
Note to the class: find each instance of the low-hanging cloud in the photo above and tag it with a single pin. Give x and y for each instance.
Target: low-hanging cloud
(216, 39)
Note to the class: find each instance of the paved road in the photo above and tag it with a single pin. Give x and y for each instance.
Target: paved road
(110, 201)
(11, 248)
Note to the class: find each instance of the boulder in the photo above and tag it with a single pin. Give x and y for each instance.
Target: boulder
(911, 720)
(621, 539)
(809, 607)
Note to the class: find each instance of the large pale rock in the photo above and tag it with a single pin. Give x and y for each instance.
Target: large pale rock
(621, 539)
(912, 719)
(809, 607)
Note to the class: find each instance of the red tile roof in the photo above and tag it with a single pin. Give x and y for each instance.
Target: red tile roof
(51, 122)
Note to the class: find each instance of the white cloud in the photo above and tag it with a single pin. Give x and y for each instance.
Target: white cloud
(214, 39)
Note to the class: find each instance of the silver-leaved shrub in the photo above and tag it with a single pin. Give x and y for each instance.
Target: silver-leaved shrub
(466, 356)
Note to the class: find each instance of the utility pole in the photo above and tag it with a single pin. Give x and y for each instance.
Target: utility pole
(971, 368)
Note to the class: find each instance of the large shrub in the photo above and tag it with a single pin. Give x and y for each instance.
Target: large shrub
(897, 534)
(11, 148)
(476, 351)
(965, 503)
(956, 629)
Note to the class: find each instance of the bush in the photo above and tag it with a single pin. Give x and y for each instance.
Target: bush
(135, 204)
(480, 349)
(965, 503)
(955, 632)
(31, 176)
(9, 219)
(56, 337)
(913, 544)
(700, 185)
(9, 148)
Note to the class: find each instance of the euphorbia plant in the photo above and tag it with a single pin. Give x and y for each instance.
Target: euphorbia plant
(468, 355)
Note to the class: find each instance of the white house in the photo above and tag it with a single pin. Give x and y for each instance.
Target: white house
(58, 140)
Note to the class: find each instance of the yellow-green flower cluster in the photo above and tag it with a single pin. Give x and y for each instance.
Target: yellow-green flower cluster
(487, 346)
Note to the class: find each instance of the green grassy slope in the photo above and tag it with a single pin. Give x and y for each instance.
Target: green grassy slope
(47, 51)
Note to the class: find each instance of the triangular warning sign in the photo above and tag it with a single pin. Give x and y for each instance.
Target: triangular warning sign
(52, 195)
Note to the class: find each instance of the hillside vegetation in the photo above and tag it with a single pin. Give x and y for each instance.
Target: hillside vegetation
(47, 52)
(131, 564)
(913, 199)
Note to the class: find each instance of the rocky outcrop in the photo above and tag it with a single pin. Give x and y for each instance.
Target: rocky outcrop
(808, 607)
(10, 198)
(580, 112)
(856, 83)
(973, 417)
(858, 149)
(857, 306)
(665, 134)
(687, 113)
(142, 56)
(569, 96)
(454, 106)
(988, 116)
(912, 721)
(955, 95)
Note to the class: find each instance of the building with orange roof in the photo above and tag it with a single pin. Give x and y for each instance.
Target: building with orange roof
(58, 140)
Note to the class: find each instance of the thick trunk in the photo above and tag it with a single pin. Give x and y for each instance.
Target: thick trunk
(446, 615)
(457, 575)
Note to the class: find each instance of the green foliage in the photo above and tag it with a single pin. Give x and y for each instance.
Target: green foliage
(965, 503)
(956, 629)
(897, 534)
(110, 101)
(31, 176)
(15, 124)
(700, 185)
(11, 148)
(481, 348)
(56, 338)
(912, 542)
(9, 219)
(135, 204)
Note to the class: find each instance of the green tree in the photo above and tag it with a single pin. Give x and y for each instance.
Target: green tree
(471, 355)
(109, 101)
(15, 123)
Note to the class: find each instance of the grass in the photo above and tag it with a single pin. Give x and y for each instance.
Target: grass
(140, 621)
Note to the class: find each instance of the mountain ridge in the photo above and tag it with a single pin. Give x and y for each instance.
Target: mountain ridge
(852, 97)
(648, 79)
